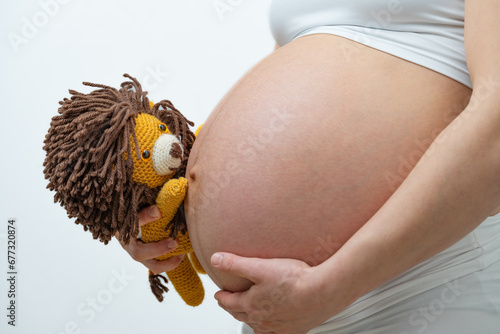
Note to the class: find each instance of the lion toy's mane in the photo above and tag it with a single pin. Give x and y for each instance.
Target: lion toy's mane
(86, 157)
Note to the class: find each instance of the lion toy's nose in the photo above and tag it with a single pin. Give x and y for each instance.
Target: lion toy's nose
(167, 154)
(176, 151)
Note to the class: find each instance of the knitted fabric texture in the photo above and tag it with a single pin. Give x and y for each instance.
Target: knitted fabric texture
(184, 278)
(167, 153)
(86, 163)
(100, 162)
(147, 132)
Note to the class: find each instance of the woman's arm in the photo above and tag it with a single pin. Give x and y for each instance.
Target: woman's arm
(451, 190)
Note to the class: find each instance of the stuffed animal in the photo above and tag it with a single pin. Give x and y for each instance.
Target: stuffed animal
(111, 153)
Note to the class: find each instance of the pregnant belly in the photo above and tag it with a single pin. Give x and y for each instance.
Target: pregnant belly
(307, 146)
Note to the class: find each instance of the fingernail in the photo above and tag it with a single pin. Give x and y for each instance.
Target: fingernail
(154, 212)
(216, 259)
(172, 244)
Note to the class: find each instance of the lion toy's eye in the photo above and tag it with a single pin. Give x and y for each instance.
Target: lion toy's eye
(162, 127)
(146, 155)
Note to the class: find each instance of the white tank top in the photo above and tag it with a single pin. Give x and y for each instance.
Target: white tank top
(426, 32)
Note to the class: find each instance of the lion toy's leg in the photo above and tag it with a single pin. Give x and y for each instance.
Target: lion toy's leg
(187, 283)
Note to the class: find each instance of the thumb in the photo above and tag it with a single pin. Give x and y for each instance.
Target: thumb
(252, 268)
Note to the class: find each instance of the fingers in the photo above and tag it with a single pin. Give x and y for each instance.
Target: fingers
(253, 269)
(148, 215)
(141, 251)
(252, 319)
(146, 253)
(229, 301)
(158, 267)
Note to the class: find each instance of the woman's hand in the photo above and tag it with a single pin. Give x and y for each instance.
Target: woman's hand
(287, 296)
(146, 253)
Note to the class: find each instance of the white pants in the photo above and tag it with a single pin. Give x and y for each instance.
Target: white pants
(455, 292)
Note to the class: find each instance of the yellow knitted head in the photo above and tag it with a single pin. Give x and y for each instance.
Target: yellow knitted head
(159, 158)
(147, 130)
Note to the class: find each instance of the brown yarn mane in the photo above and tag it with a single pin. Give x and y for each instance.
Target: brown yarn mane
(85, 160)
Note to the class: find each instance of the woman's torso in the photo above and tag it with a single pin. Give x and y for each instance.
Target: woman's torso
(307, 146)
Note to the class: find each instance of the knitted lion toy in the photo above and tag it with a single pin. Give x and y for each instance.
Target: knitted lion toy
(111, 153)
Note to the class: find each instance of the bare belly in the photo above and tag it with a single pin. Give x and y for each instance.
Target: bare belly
(307, 146)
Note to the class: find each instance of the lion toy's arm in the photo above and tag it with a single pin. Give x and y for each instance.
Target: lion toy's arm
(184, 278)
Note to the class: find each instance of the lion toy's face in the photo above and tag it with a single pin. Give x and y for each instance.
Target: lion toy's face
(161, 153)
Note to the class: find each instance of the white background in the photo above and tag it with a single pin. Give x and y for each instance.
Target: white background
(50, 46)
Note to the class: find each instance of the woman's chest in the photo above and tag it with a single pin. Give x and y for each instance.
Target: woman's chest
(289, 18)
